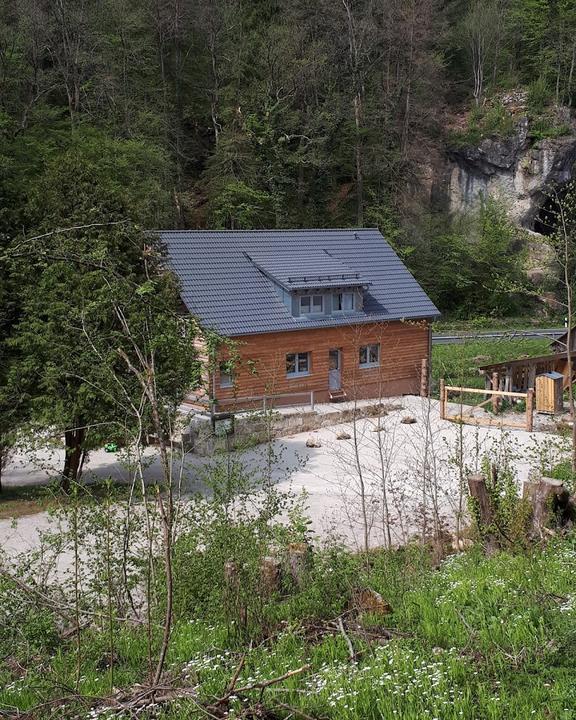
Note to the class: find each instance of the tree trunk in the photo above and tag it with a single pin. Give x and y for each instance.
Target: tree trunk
(358, 111)
(73, 441)
(358, 156)
(571, 74)
(568, 273)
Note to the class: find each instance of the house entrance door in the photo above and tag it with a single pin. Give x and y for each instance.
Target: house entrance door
(335, 370)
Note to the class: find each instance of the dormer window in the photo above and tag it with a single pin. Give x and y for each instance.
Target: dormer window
(311, 304)
(344, 302)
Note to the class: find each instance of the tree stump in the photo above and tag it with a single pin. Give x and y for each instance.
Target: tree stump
(270, 575)
(551, 504)
(367, 600)
(299, 555)
(479, 491)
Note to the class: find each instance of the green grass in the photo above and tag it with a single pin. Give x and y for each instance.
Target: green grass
(458, 364)
(481, 638)
(483, 323)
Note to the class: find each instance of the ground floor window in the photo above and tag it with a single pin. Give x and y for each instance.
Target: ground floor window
(297, 364)
(226, 375)
(369, 355)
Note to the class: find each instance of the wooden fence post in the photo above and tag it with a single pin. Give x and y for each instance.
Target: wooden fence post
(424, 378)
(495, 398)
(530, 410)
(442, 399)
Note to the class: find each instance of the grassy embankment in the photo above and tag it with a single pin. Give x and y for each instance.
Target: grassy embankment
(458, 364)
(478, 639)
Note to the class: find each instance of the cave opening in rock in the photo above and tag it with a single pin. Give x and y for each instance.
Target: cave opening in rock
(547, 216)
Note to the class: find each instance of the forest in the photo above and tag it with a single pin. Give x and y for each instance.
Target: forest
(267, 113)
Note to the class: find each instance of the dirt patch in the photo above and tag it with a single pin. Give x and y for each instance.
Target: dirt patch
(15, 504)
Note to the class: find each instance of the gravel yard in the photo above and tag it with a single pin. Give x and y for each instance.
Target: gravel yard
(409, 472)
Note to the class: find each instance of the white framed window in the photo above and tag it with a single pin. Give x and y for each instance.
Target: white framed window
(344, 302)
(297, 364)
(369, 355)
(311, 304)
(226, 375)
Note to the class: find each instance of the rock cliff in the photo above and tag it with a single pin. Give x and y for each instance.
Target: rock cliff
(519, 170)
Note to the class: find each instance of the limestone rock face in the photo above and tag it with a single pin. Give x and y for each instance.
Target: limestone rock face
(518, 170)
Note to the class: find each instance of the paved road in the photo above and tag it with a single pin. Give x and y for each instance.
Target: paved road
(461, 337)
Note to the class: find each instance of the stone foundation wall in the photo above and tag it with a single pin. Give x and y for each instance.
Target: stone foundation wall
(254, 428)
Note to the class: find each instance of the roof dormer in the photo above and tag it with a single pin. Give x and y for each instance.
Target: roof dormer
(314, 286)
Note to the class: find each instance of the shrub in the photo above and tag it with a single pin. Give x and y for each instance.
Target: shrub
(539, 96)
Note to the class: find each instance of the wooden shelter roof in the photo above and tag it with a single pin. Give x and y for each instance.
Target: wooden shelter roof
(528, 360)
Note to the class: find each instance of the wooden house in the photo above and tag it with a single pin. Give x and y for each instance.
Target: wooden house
(314, 315)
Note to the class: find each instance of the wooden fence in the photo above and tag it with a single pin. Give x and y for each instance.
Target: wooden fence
(495, 400)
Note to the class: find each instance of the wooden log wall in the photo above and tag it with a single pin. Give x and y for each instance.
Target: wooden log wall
(262, 366)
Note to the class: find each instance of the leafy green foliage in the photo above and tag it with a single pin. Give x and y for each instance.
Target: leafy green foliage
(477, 637)
(88, 266)
(476, 267)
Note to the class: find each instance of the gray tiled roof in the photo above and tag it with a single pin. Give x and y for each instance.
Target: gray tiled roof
(227, 292)
(318, 269)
